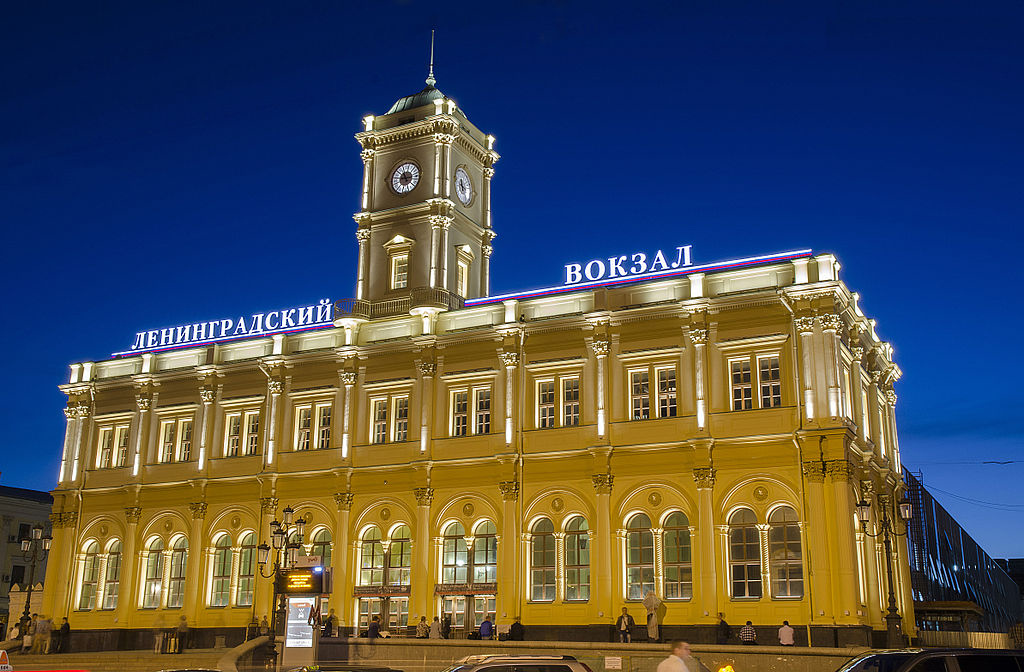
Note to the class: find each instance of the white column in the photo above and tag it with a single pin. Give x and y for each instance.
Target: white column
(805, 327)
(601, 348)
(70, 413)
(363, 236)
(209, 397)
(427, 371)
(348, 381)
(510, 360)
(830, 325)
(699, 338)
(367, 156)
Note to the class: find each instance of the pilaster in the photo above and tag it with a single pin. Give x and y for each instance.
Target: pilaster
(707, 576)
(603, 583)
(817, 544)
(422, 592)
(341, 598)
(844, 559)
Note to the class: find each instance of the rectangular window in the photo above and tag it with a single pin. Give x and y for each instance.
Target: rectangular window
(570, 402)
(666, 392)
(106, 448)
(546, 404)
(252, 432)
(482, 410)
(400, 271)
(323, 427)
(379, 433)
(313, 427)
(739, 371)
(234, 435)
(400, 429)
(847, 394)
(304, 425)
(460, 413)
(770, 381)
(462, 279)
(121, 441)
(639, 395)
(865, 429)
(184, 440)
(167, 443)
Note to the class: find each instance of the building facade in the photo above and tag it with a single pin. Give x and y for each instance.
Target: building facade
(20, 511)
(703, 433)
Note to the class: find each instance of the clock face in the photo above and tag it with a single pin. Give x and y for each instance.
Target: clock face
(463, 187)
(405, 178)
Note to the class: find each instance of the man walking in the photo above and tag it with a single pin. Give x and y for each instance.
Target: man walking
(624, 626)
(748, 635)
(675, 662)
(723, 631)
(786, 635)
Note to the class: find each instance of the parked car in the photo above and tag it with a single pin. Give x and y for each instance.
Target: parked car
(937, 660)
(501, 663)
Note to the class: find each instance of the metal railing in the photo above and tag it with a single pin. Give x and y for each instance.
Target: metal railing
(418, 297)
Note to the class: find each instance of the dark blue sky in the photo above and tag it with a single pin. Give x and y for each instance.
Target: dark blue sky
(165, 163)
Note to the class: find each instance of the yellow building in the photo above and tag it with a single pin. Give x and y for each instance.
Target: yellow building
(702, 432)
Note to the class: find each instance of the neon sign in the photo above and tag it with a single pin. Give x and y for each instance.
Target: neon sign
(635, 264)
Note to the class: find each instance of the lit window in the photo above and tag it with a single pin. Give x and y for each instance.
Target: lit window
(246, 570)
(167, 444)
(121, 441)
(744, 555)
(106, 456)
(639, 395)
(739, 370)
(242, 433)
(400, 271)
(112, 577)
(154, 580)
(665, 400)
(770, 381)
(313, 427)
(482, 410)
(485, 553)
(542, 561)
(389, 419)
(558, 402)
(678, 567)
(546, 404)
(371, 559)
(323, 426)
(784, 553)
(221, 577)
(460, 413)
(639, 557)
(380, 421)
(179, 565)
(400, 427)
(304, 421)
(462, 279)
(252, 432)
(455, 555)
(577, 560)
(322, 546)
(666, 392)
(570, 402)
(399, 560)
(90, 577)
(234, 435)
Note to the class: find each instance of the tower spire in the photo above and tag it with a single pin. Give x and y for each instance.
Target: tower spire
(430, 76)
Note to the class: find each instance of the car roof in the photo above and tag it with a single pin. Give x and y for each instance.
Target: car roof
(491, 657)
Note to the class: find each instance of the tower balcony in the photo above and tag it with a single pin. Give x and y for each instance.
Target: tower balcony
(351, 309)
(436, 298)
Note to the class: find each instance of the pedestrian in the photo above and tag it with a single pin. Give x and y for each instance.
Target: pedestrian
(487, 628)
(422, 628)
(158, 635)
(435, 629)
(748, 635)
(675, 662)
(651, 603)
(724, 632)
(373, 631)
(786, 635)
(182, 634)
(29, 634)
(14, 632)
(516, 632)
(446, 626)
(64, 640)
(329, 624)
(624, 626)
(44, 630)
(265, 626)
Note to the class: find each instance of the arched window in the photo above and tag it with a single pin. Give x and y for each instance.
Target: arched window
(399, 557)
(785, 554)
(220, 590)
(455, 557)
(678, 562)
(112, 578)
(179, 564)
(246, 570)
(371, 559)
(639, 557)
(154, 581)
(90, 576)
(485, 553)
(542, 561)
(577, 560)
(322, 546)
(744, 554)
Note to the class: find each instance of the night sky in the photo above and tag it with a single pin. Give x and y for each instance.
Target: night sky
(165, 163)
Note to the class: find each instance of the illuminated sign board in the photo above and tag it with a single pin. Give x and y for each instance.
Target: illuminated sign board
(301, 581)
(298, 631)
(283, 321)
(636, 265)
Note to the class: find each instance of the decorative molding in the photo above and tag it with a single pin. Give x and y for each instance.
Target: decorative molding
(603, 483)
(56, 520)
(814, 470)
(362, 235)
(440, 221)
(557, 504)
(601, 347)
(198, 510)
(268, 505)
(467, 510)
(424, 496)
(838, 470)
(654, 498)
(443, 138)
(144, 402)
(704, 477)
(132, 514)
(830, 322)
(366, 155)
(698, 336)
(427, 368)
(343, 500)
(890, 398)
(509, 490)
(804, 324)
(857, 352)
(347, 378)
(487, 250)
(207, 395)
(488, 173)
(275, 387)
(509, 359)
(69, 518)
(761, 493)
(867, 488)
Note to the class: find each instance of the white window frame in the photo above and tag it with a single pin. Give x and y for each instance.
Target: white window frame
(396, 433)
(758, 358)
(475, 401)
(672, 394)
(245, 435)
(454, 414)
(558, 402)
(564, 402)
(654, 394)
(473, 413)
(393, 274)
(390, 431)
(747, 403)
(540, 405)
(179, 444)
(314, 433)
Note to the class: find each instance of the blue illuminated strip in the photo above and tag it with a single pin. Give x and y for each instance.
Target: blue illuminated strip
(657, 275)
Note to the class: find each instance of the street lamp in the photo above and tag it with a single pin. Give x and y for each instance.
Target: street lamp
(285, 555)
(34, 548)
(887, 530)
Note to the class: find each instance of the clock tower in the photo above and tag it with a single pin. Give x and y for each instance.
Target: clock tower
(424, 227)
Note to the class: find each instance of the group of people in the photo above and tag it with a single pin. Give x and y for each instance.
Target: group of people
(441, 628)
(748, 633)
(171, 640)
(40, 636)
(624, 624)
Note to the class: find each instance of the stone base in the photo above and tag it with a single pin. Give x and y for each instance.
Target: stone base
(126, 639)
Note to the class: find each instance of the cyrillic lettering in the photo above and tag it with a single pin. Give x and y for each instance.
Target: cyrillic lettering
(140, 340)
(286, 318)
(240, 326)
(184, 334)
(199, 331)
(271, 327)
(594, 276)
(306, 315)
(684, 257)
(151, 339)
(659, 258)
(573, 274)
(615, 264)
(257, 324)
(167, 336)
(639, 263)
(225, 327)
(324, 312)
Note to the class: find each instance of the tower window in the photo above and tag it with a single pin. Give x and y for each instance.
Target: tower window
(400, 271)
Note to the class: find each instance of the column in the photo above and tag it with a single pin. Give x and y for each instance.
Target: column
(830, 325)
(877, 431)
(602, 581)
(442, 262)
(128, 591)
(858, 391)
(766, 576)
(341, 598)
(435, 243)
(816, 546)
(195, 582)
(707, 571)
(844, 559)
(274, 390)
(144, 402)
(78, 456)
(263, 590)
(890, 425)
(56, 579)
(601, 348)
(421, 599)
(71, 423)
(427, 371)
(486, 249)
(208, 395)
(509, 569)
(699, 338)
(367, 156)
(363, 236)
(805, 327)
(510, 360)
(348, 382)
(872, 603)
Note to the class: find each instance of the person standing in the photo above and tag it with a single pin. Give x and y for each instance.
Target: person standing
(487, 628)
(64, 636)
(748, 635)
(422, 628)
(724, 632)
(373, 631)
(516, 632)
(446, 626)
(786, 635)
(435, 629)
(624, 626)
(675, 662)
(14, 632)
(329, 624)
(44, 629)
(182, 634)
(651, 603)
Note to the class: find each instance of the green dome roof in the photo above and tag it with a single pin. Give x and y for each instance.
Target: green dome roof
(424, 97)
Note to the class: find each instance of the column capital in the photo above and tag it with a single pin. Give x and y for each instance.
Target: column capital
(362, 235)
(143, 401)
(487, 250)
(427, 369)
(509, 490)
(198, 510)
(488, 172)
(857, 352)
(839, 470)
(275, 387)
(890, 398)
(814, 470)
(830, 322)
(600, 346)
(603, 483)
(424, 496)
(268, 505)
(804, 324)
(347, 378)
(366, 155)
(207, 395)
(704, 477)
(509, 359)
(698, 336)
(132, 514)
(343, 500)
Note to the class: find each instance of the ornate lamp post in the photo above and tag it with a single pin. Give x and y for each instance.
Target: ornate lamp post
(887, 529)
(33, 549)
(285, 554)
